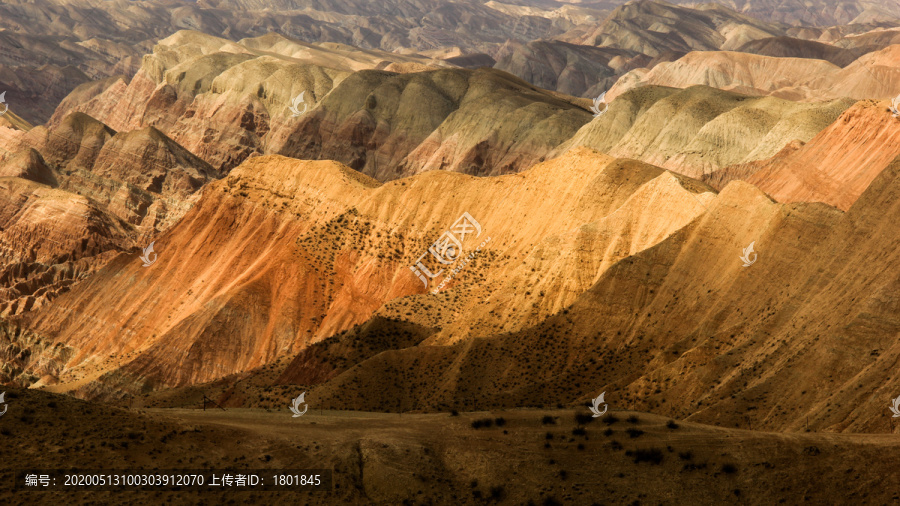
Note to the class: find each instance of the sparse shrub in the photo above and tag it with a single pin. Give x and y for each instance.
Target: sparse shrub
(549, 435)
(454, 413)
(500, 422)
(812, 451)
(548, 420)
(498, 493)
(685, 455)
(608, 432)
(651, 455)
(583, 418)
(634, 433)
(579, 431)
(610, 419)
(672, 425)
(632, 419)
(484, 422)
(729, 468)
(563, 474)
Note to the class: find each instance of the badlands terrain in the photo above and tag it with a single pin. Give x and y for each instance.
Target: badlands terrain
(452, 225)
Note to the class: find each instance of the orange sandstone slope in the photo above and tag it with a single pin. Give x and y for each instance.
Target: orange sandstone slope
(684, 329)
(283, 253)
(834, 167)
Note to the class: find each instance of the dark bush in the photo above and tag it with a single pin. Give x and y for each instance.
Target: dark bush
(608, 432)
(498, 493)
(500, 422)
(548, 420)
(633, 433)
(454, 413)
(686, 455)
(729, 468)
(583, 418)
(610, 419)
(632, 419)
(652, 455)
(486, 422)
(671, 424)
(579, 431)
